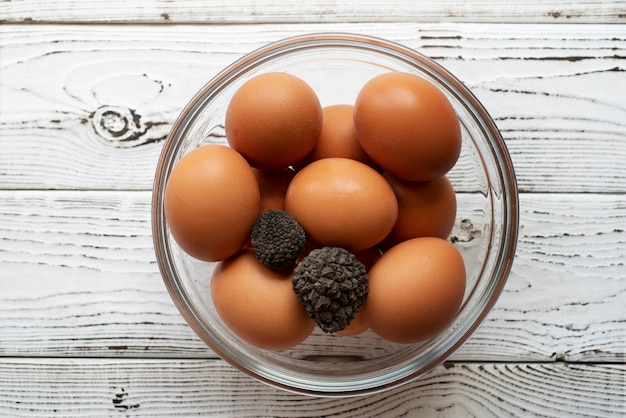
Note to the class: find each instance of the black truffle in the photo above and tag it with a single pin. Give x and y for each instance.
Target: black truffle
(277, 239)
(331, 284)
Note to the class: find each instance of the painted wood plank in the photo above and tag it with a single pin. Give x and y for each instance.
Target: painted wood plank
(555, 92)
(101, 387)
(78, 278)
(568, 245)
(238, 11)
(79, 271)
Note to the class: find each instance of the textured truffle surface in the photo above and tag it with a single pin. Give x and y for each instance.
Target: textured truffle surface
(277, 239)
(332, 285)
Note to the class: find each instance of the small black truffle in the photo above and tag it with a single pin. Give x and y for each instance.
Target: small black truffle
(332, 285)
(277, 239)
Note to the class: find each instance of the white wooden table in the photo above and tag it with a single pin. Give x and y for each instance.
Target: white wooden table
(90, 89)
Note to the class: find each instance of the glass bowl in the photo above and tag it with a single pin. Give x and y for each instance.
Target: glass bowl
(337, 65)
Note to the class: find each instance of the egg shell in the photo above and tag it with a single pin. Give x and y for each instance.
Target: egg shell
(210, 202)
(274, 120)
(341, 202)
(273, 187)
(258, 304)
(407, 126)
(425, 209)
(338, 138)
(415, 290)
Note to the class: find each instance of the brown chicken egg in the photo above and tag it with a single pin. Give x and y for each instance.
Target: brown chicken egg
(273, 187)
(258, 304)
(338, 138)
(342, 202)
(415, 290)
(425, 209)
(407, 126)
(210, 202)
(273, 120)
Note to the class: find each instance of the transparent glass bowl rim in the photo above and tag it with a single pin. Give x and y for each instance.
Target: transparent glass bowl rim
(366, 42)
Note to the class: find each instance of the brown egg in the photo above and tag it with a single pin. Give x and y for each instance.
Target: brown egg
(415, 290)
(342, 202)
(338, 138)
(258, 304)
(407, 126)
(425, 209)
(210, 202)
(273, 187)
(274, 120)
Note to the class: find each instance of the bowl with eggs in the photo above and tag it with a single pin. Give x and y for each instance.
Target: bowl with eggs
(334, 214)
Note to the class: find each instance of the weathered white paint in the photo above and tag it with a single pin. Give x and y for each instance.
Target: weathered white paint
(555, 92)
(86, 325)
(136, 387)
(314, 11)
(79, 278)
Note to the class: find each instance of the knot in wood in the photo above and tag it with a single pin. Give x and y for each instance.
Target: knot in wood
(124, 127)
(114, 123)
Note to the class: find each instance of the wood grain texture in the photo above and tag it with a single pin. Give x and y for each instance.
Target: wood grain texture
(558, 259)
(238, 11)
(79, 278)
(79, 275)
(110, 94)
(100, 387)
(89, 92)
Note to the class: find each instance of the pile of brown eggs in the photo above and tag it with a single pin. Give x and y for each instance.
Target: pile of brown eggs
(369, 177)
